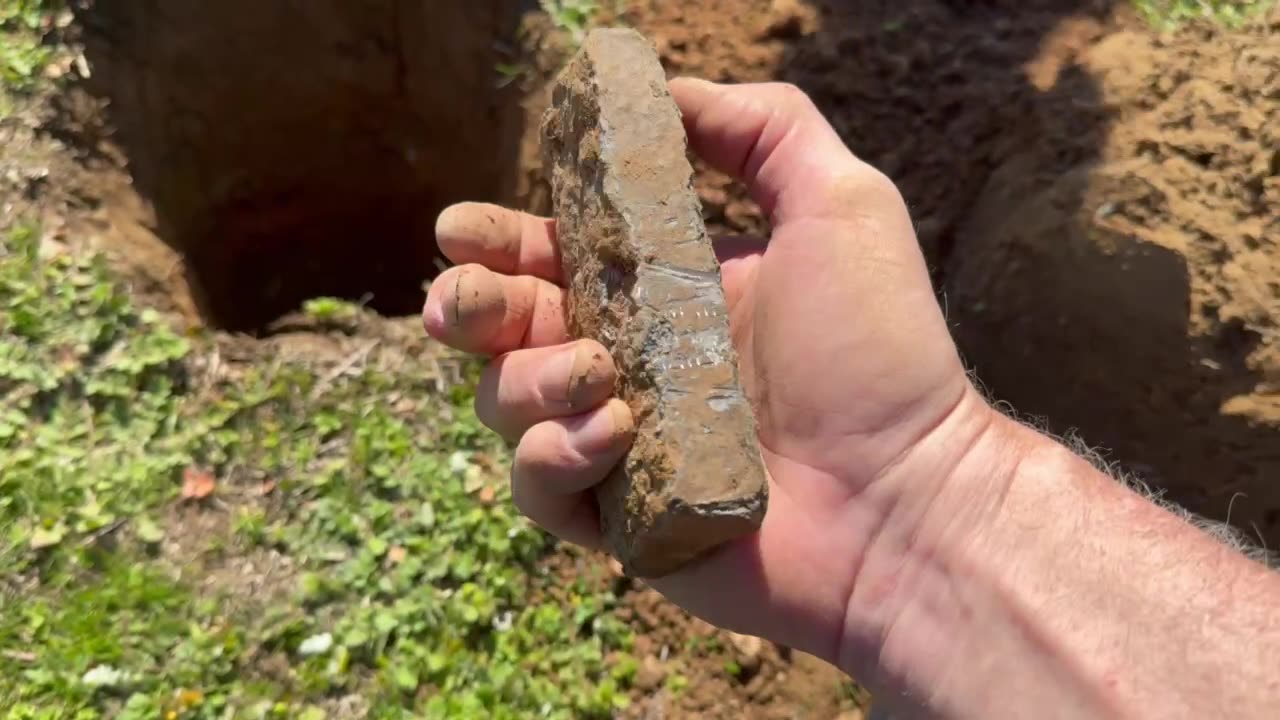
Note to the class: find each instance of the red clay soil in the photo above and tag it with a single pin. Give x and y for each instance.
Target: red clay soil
(1100, 207)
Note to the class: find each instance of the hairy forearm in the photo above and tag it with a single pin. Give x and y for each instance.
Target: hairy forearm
(1037, 586)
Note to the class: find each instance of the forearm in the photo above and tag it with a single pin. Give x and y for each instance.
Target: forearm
(1036, 586)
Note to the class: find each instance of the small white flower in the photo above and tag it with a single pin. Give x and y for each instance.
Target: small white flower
(102, 676)
(316, 645)
(458, 462)
(502, 623)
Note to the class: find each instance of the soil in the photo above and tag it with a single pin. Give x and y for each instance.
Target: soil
(1099, 204)
(768, 682)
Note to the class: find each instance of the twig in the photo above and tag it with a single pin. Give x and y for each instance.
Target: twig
(102, 532)
(22, 656)
(351, 360)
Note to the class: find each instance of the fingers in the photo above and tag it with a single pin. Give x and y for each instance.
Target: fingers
(505, 241)
(559, 460)
(476, 310)
(525, 387)
(773, 138)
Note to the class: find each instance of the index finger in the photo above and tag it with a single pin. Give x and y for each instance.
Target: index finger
(505, 241)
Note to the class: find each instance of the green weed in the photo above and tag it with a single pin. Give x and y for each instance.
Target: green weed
(330, 311)
(1167, 14)
(91, 429)
(572, 16)
(22, 54)
(413, 584)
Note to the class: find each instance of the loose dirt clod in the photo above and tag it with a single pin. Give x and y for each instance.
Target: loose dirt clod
(644, 281)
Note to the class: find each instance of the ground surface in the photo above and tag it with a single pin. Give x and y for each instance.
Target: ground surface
(310, 523)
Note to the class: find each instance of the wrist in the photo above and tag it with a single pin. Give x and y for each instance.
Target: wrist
(940, 496)
(1027, 583)
(930, 605)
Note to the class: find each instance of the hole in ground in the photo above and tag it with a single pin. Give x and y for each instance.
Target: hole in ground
(294, 150)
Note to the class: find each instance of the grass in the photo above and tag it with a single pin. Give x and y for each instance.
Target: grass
(1168, 14)
(573, 17)
(410, 579)
(22, 54)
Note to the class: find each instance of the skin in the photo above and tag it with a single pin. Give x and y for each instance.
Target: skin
(958, 563)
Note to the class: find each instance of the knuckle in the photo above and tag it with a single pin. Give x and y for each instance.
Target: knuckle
(866, 182)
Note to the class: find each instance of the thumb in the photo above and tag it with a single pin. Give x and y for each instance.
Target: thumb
(773, 138)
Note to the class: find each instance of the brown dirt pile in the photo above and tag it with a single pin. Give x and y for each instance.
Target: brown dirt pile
(1137, 296)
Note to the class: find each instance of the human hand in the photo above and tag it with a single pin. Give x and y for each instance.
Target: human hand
(863, 407)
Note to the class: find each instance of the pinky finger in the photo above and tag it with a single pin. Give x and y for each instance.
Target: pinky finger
(558, 462)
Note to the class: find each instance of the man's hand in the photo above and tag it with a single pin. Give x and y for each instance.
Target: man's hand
(956, 562)
(844, 354)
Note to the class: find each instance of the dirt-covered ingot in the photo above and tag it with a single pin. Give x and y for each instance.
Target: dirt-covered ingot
(644, 281)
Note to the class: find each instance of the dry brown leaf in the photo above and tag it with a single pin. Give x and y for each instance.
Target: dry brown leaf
(197, 484)
(396, 555)
(487, 495)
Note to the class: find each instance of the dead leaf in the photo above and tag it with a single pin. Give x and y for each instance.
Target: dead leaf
(267, 487)
(487, 495)
(21, 656)
(197, 484)
(396, 555)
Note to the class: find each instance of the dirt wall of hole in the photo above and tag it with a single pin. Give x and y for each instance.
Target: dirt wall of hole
(1136, 297)
(297, 149)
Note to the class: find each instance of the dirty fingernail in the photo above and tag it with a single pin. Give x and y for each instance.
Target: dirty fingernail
(580, 376)
(477, 299)
(556, 377)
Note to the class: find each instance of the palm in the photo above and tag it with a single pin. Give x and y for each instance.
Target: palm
(818, 345)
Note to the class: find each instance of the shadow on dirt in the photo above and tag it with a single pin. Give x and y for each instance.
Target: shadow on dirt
(279, 142)
(994, 133)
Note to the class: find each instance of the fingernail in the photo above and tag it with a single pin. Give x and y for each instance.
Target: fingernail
(433, 316)
(590, 376)
(477, 297)
(457, 222)
(556, 378)
(604, 430)
(447, 220)
(690, 80)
